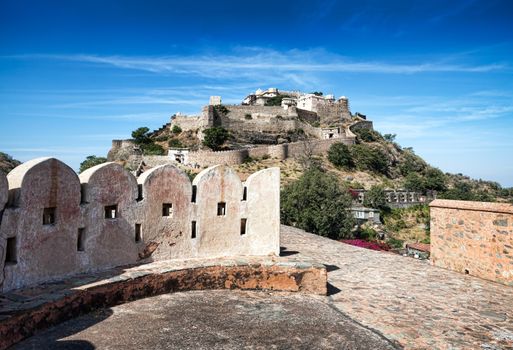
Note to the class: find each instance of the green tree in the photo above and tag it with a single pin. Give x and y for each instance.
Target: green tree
(435, 180)
(375, 198)
(141, 135)
(389, 137)
(91, 161)
(415, 182)
(317, 203)
(215, 137)
(340, 155)
(369, 158)
(176, 129)
(411, 163)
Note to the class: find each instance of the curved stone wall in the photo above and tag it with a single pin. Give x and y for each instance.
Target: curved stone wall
(57, 224)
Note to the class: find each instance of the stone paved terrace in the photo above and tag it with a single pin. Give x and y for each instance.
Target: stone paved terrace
(409, 301)
(377, 301)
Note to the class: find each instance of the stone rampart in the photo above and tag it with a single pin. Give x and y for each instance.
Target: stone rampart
(57, 224)
(475, 238)
(281, 152)
(189, 122)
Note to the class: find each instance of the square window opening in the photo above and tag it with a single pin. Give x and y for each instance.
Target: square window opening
(111, 211)
(167, 209)
(49, 216)
(221, 209)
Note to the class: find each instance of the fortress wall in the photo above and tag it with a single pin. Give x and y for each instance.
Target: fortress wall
(474, 238)
(262, 200)
(107, 242)
(258, 152)
(189, 122)
(153, 161)
(208, 158)
(281, 152)
(57, 224)
(167, 236)
(39, 226)
(238, 112)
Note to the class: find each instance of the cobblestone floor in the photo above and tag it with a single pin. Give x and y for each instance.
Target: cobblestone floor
(410, 301)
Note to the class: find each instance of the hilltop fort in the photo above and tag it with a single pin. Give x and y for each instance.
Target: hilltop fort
(266, 123)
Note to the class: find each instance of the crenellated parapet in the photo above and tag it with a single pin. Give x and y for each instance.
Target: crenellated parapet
(57, 224)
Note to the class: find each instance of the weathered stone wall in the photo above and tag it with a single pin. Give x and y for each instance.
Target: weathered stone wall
(189, 122)
(362, 124)
(474, 238)
(334, 113)
(282, 151)
(57, 224)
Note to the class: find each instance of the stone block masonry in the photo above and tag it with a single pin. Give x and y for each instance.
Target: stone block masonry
(474, 238)
(56, 224)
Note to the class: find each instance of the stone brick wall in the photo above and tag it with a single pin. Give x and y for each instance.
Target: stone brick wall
(475, 238)
(282, 151)
(333, 113)
(57, 224)
(189, 122)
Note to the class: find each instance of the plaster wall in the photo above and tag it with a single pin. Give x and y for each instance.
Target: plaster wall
(107, 217)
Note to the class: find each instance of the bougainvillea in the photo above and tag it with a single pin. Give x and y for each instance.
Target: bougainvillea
(367, 244)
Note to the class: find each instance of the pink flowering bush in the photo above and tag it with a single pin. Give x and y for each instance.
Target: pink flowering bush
(367, 244)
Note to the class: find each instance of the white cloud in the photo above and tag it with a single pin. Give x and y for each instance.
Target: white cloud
(251, 62)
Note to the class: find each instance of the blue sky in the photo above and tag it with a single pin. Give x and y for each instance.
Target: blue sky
(439, 74)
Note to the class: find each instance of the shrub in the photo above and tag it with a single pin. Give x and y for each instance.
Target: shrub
(368, 233)
(395, 243)
(220, 109)
(248, 116)
(369, 158)
(411, 163)
(435, 180)
(152, 149)
(340, 156)
(368, 135)
(276, 100)
(91, 161)
(266, 156)
(215, 137)
(317, 204)
(414, 182)
(176, 129)
(464, 191)
(174, 143)
(375, 198)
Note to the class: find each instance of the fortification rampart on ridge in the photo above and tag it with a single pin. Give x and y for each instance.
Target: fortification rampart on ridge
(56, 224)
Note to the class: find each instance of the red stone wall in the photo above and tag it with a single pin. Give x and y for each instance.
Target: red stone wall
(475, 238)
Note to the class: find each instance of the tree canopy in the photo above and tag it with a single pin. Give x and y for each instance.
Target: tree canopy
(317, 203)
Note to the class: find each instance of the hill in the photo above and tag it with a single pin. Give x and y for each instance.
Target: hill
(7, 163)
